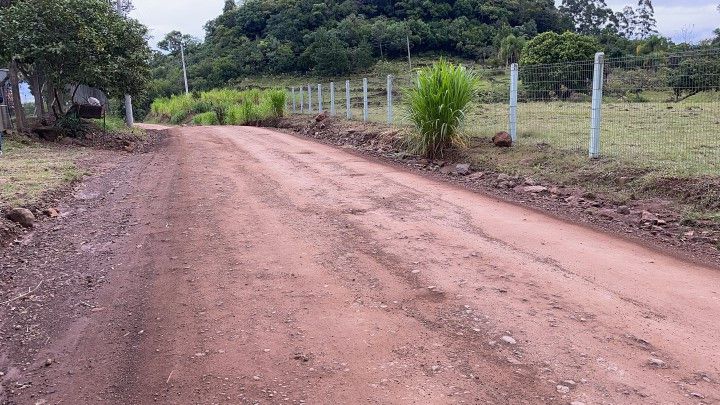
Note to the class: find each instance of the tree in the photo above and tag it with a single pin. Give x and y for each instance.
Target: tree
(76, 42)
(511, 48)
(693, 75)
(588, 16)
(124, 7)
(173, 41)
(465, 28)
(627, 22)
(716, 40)
(328, 53)
(652, 45)
(229, 6)
(554, 74)
(645, 19)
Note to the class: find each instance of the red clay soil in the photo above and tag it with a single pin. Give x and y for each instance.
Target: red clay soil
(241, 265)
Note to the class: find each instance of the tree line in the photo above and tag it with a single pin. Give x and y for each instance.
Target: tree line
(343, 36)
(56, 45)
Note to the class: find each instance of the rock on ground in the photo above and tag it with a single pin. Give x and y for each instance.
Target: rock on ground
(502, 139)
(22, 216)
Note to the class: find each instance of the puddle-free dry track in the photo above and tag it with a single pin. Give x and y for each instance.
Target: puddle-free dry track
(266, 268)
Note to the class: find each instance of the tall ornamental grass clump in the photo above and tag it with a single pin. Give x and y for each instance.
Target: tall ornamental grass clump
(220, 107)
(278, 99)
(437, 106)
(175, 109)
(206, 118)
(244, 113)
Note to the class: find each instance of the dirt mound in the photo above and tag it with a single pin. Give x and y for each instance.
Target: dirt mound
(364, 136)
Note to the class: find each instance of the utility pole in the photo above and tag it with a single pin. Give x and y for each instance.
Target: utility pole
(407, 39)
(182, 56)
(129, 115)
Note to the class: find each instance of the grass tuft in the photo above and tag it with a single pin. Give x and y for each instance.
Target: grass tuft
(206, 118)
(220, 107)
(278, 100)
(438, 104)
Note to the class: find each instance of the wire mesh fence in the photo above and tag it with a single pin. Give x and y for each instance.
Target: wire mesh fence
(664, 110)
(554, 104)
(656, 111)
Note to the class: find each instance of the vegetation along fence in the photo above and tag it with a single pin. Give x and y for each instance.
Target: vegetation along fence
(657, 110)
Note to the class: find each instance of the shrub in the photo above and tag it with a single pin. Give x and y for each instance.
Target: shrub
(278, 99)
(72, 125)
(203, 106)
(207, 118)
(225, 106)
(549, 71)
(250, 112)
(253, 95)
(438, 105)
(178, 117)
(235, 115)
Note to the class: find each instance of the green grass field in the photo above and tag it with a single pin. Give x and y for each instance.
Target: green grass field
(29, 169)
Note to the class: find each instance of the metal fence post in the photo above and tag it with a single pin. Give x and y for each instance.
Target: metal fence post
(365, 99)
(302, 101)
(513, 101)
(596, 112)
(309, 99)
(294, 110)
(332, 98)
(320, 106)
(347, 99)
(389, 99)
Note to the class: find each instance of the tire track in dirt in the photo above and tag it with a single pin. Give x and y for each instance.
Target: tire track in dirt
(270, 269)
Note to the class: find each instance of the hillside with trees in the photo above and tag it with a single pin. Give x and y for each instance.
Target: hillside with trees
(332, 38)
(337, 37)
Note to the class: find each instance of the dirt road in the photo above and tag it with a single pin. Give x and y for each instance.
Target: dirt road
(258, 267)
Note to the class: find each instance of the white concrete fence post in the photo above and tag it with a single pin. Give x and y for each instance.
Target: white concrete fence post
(129, 117)
(347, 99)
(294, 110)
(513, 101)
(389, 99)
(302, 101)
(332, 98)
(320, 104)
(596, 112)
(365, 99)
(309, 95)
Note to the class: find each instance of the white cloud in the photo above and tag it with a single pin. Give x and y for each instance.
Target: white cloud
(690, 20)
(683, 23)
(187, 16)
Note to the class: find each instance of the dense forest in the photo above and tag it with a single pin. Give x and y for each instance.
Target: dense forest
(337, 37)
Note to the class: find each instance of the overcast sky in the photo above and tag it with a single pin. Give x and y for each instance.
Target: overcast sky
(688, 20)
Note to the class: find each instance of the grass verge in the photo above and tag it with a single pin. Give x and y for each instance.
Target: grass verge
(220, 107)
(622, 181)
(27, 169)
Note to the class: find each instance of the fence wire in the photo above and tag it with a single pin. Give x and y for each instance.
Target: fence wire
(664, 110)
(554, 103)
(657, 111)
